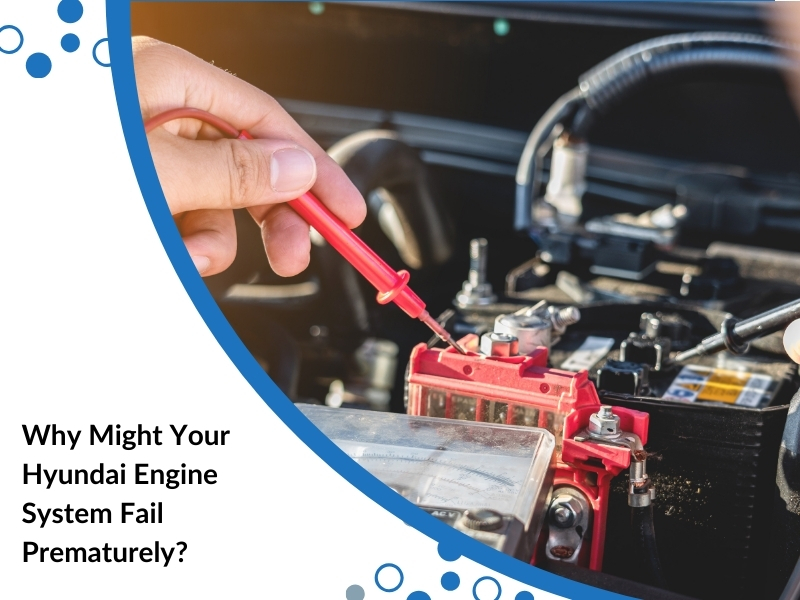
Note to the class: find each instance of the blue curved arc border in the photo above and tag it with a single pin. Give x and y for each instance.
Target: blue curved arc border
(121, 55)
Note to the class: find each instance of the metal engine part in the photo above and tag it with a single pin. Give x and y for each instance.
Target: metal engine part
(538, 325)
(568, 521)
(476, 291)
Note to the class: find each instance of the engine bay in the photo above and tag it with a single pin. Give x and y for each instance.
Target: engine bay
(596, 202)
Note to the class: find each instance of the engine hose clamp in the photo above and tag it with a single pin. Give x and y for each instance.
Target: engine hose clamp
(732, 341)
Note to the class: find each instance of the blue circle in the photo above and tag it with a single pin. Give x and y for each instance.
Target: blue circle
(94, 53)
(418, 596)
(70, 42)
(450, 581)
(378, 572)
(524, 596)
(38, 65)
(487, 578)
(70, 11)
(448, 553)
(19, 33)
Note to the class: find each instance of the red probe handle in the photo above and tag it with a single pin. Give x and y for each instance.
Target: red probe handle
(392, 286)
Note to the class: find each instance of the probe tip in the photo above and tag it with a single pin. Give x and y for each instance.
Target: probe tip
(440, 331)
(455, 345)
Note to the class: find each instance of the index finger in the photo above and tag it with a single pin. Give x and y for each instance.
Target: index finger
(169, 77)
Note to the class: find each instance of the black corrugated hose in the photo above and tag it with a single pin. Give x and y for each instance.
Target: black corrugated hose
(644, 536)
(614, 78)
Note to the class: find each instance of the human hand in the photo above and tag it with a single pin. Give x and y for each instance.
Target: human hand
(205, 176)
(791, 341)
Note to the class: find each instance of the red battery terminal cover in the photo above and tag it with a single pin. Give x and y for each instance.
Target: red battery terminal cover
(523, 390)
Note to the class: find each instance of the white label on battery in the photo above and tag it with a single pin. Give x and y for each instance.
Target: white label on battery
(680, 394)
(719, 385)
(591, 351)
(755, 391)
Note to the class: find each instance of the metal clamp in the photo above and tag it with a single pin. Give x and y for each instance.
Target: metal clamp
(602, 430)
(568, 522)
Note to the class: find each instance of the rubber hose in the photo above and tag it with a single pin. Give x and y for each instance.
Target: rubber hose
(603, 95)
(644, 537)
(682, 41)
(560, 110)
(623, 72)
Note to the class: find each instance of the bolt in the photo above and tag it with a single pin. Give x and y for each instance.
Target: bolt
(478, 251)
(606, 412)
(565, 511)
(476, 291)
(563, 318)
(483, 519)
(563, 516)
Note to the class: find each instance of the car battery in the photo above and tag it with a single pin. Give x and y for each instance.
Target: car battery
(490, 482)
(517, 390)
(714, 437)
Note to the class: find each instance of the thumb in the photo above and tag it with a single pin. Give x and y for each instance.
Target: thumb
(224, 173)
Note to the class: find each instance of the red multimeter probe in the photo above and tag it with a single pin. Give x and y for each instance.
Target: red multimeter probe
(392, 285)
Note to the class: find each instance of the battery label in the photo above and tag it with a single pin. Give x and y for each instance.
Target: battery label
(720, 385)
(592, 351)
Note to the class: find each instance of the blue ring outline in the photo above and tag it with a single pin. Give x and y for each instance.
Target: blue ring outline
(21, 39)
(399, 583)
(487, 578)
(118, 18)
(94, 53)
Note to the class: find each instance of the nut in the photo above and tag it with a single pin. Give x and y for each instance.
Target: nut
(604, 422)
(565, 511)
(499, 344)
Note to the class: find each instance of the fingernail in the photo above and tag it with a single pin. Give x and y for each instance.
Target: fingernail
(201, 263)
(291, 169)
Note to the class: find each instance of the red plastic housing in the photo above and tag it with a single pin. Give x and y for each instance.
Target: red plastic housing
(523, 390)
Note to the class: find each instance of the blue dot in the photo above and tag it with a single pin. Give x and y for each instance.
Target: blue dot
(70, 42)
(38, 65)
(18, 46)
(70, 11)
(450, 581)
(524, 596)
(316, 8)
(418, 596)
(447, 552)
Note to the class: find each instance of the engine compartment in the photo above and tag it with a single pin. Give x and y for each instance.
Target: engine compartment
(428, 109)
